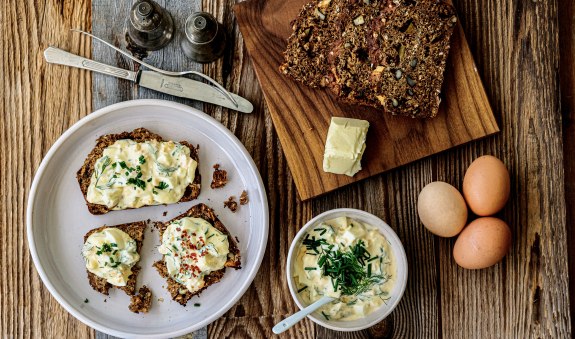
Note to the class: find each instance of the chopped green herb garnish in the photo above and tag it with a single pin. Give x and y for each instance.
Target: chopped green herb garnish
(310, 268)
(86, 301)
(325, 315)
(302, 289)
(137, 182)
(141, 159)
(154, 191)
(312, 244)
(347, 269)
(113, 244)
(161, 186)
(104, 249)
(123, 165)
(197, 305)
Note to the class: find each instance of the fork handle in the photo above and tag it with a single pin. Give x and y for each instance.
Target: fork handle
(57, 56)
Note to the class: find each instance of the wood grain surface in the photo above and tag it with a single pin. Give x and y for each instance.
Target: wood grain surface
(302, 114)
(567, 78)
(516, 47)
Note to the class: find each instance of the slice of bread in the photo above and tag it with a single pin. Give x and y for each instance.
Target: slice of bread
(382, 53)
(141, 302)
(136, 231)
(84, 174)
(206, 213)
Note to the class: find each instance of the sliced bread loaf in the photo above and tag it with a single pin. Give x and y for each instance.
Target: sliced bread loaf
(389, 54)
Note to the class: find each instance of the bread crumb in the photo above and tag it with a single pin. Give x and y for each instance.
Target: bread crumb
(219, 178)
(244, 198)
(231, 204)
(165, 213)
(142, 301)
(161, 300)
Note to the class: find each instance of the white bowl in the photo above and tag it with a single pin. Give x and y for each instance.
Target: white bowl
(400, 279)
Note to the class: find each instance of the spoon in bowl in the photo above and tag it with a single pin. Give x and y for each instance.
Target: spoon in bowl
(296, 317)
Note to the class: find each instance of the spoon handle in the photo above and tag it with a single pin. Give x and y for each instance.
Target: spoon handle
(296, 317)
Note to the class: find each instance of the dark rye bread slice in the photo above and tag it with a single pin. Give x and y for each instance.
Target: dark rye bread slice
(84, 174)
(208, 214)
(382, 53)
(136, 231)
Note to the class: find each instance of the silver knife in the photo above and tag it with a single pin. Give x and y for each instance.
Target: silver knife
(177, 86)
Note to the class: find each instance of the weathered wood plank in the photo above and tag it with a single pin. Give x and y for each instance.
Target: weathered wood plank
(567, 78)
(524, 296)
(39, 102)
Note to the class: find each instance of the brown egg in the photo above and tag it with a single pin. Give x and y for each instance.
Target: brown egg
(486, 185)
(442, 209)
(483, 243)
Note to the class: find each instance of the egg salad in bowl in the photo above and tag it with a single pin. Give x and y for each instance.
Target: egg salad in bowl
(354, 257)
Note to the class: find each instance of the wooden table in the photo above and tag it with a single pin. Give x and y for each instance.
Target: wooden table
(524, 52)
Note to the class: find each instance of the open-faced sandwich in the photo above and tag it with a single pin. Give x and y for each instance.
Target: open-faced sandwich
(112, 254)
(196, 250)
(136, 169)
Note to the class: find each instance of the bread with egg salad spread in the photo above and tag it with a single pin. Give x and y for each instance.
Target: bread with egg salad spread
(136, 169)
(196, 250)
(111, 254)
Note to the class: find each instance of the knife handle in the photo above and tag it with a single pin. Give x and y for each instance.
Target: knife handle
(57, 56)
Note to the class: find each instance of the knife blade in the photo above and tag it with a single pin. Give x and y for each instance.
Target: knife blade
(177, 86)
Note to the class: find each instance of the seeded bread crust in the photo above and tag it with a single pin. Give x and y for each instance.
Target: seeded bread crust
(388, 54)
(206, 213)
(141, 302)
(136, 231)
(84, 174)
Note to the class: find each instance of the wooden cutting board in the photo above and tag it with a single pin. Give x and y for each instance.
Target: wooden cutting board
(301, 115)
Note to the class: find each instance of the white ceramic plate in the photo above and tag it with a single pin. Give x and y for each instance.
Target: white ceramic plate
(57, 219)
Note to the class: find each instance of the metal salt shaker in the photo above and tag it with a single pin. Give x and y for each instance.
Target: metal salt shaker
(204, 39)
(149, 26)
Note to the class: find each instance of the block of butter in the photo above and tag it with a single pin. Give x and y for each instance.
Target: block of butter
(344, 146)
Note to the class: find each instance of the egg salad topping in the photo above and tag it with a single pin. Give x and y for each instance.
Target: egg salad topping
(111, 254)
(192, 249)
(134, 174)
(348, 260)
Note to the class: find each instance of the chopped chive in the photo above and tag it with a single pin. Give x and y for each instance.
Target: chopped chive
(325, 315)
(310, 268)
(302, 289)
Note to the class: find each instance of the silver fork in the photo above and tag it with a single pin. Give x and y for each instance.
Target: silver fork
(176, 74)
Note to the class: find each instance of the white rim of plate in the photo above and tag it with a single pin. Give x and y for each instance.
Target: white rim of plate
(110, 110)
(401, 257)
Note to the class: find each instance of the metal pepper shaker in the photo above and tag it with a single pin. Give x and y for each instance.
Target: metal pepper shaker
(149, 26)
(204, 39)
